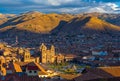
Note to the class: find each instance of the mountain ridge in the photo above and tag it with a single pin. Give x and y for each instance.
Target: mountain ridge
(38, 22)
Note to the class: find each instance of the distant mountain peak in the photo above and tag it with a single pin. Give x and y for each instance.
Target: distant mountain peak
(32, 12)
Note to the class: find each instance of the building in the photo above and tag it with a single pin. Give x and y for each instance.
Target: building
(6, 52)
(28, 58)
(2, 69)
(70, 57)
(100, 74)
(99, 52)
(60, 58)
(32, 69)
(47, 55)
(20, 51)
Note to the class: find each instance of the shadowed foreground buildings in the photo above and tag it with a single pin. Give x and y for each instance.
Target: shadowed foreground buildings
(91, 74)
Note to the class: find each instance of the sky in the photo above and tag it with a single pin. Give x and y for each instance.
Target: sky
(59, 6)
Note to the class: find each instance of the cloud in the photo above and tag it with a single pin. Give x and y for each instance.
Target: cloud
(51, 2)
(100, 7)
(59, 6)
(112, 6)
(105, 8)
(58, 2)
(107, 0)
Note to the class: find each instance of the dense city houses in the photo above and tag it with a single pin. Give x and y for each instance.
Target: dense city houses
(31, 62)
(37, 46)
(19, 61)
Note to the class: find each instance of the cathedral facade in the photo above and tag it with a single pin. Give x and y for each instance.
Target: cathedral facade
(47, 55)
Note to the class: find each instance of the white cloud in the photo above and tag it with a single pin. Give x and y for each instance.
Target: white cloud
(52, 2)
(70, 10)
(113, 6)
(59, 2)
(98, 7)
(105, 8)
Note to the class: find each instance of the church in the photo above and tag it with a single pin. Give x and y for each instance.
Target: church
(47, 55)
(28, 58)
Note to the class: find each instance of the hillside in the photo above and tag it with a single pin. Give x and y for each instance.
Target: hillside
(88, 25)
(45, 23)
(35, 22)
(2, 16)
(2, 21)
(111, 18)
(34, 28)
(5, 17)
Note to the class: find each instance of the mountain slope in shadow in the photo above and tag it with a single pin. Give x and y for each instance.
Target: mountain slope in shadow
(88, 25)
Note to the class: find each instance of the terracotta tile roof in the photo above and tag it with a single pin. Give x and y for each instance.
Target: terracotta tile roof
(87, 76)
(32, 68)
(114, 71)
(17, 67)
(22, 63)
(101, 72)
(70, 55)
(31, 64)
(42, 73)
(3, 71)
(41, 68)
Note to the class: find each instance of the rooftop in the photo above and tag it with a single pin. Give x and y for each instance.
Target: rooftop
(101, 72)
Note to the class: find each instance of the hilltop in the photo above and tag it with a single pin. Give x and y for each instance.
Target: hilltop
(111, 18)
(36, 22)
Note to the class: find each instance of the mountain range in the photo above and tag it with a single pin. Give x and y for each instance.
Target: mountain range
(38, 22)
